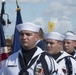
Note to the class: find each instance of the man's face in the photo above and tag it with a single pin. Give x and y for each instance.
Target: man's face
(53, 46)
(69, 45)
(28, 39)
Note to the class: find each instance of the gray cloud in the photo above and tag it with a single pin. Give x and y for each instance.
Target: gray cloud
(59, 8)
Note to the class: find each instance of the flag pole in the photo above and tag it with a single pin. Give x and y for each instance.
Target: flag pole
(1, 16)
(17, 4)
(18, 8)
(16, 42)
(2, 10)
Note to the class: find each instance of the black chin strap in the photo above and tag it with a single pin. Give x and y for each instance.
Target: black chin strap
(24, 68)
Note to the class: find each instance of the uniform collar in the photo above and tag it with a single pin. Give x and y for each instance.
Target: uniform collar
(72, 53)
(64, 54)
(37, 52)
(38, 42)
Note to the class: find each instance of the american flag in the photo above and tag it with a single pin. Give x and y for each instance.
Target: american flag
(3, 48)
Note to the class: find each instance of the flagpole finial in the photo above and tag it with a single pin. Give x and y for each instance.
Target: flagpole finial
(3, 0)
(18, 8)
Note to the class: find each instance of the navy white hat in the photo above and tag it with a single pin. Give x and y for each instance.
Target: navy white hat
(70, 36)
(54, 35)
(28, 26)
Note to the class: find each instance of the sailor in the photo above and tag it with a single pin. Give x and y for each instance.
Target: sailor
(54, 43)
(30, 60)
(70, 43)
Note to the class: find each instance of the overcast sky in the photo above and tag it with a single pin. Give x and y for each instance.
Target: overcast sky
(61, 12)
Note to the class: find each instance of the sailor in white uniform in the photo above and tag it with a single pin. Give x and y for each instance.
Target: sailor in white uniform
(54, 41)
(70, 43)
(30, 60)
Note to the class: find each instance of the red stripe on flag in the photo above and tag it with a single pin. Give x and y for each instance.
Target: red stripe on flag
(3, 56)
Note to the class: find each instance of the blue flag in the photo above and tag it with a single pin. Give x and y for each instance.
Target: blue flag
(16, 41)
(3, 48)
